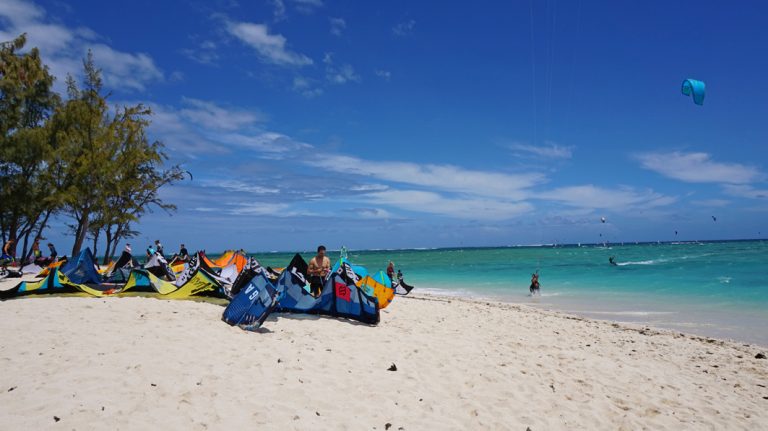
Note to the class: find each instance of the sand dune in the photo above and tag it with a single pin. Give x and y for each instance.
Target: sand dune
(138, 363)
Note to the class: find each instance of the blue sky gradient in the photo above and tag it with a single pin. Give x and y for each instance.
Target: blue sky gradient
(415, 124)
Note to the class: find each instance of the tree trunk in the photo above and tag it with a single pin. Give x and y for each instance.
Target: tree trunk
(82, 230)
(114, 248)
(108, 251)
(26, 251)
(96, 243)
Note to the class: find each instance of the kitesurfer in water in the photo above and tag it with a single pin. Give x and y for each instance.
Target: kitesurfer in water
(535, 286)
(319, 267)
(612, 261)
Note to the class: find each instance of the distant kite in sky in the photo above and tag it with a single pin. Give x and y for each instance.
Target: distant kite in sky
(695, 89)
(602, 219)
(714, 218)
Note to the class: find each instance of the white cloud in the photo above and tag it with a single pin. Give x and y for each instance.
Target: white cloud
(443, 177)
(711, 202)
(169, 126)
(307, 7)
(211, 116)
(342, 74)
(122, 69)
(271, 48)
(404, 28)
(205, 53)
(547, 151)
(385, 74)
(270, 144)
(590, 196)
(373, 213)
(63, 48)
(304, 87)
(259, 209)
(698, 168)
(339, 74)
(457, 207)
(337, 26)
(279, 10)
(745, 191)
(237, 186)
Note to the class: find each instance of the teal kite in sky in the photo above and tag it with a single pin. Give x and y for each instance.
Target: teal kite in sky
(695, 89)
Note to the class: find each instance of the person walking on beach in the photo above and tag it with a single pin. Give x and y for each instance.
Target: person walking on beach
(535, 286)
(319, 267)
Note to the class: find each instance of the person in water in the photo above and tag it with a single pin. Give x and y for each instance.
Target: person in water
(535, 286)
(612, 261)
(319, 267)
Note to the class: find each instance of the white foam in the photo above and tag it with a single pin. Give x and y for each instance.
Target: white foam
(626, 313)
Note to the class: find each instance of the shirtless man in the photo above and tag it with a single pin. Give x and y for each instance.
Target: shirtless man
(319, 267)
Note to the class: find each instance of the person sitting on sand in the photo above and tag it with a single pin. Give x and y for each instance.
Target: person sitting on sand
(535, 284)
(391, 271)
(319, 267)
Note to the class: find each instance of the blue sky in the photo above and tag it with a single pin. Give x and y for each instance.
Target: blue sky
(416, 124)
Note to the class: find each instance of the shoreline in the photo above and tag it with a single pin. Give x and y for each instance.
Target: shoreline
(436, 294)
(690, 320)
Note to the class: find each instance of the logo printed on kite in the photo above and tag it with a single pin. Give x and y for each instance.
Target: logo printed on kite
(298, 275)
(342, 291)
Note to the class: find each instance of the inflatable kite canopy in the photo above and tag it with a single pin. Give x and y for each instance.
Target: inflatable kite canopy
(695, 89)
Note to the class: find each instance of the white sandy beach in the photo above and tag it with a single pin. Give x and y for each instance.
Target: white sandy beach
(143, 363)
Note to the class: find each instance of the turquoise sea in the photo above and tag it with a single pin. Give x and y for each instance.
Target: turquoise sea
(717, 289)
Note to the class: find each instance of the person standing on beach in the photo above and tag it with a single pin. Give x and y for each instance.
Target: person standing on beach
(319, 267)
(183, 253)
(53, 252)
(159, 247)
(36, 253)
(391, 271)
(9, 250)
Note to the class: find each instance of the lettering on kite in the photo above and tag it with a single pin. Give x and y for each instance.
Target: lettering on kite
(343, 291)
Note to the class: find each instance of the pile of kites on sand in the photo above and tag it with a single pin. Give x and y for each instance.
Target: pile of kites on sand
(251, 290)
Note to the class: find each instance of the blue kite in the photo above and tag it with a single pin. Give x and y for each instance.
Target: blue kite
(695, 89)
